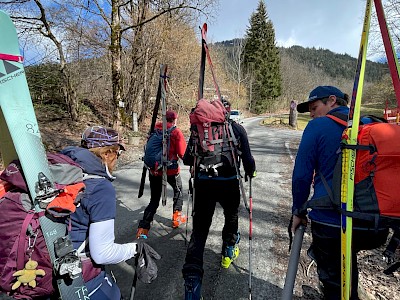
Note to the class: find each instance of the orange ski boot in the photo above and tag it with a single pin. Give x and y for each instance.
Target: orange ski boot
(178, 219)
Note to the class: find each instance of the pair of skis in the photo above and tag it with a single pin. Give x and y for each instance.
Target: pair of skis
(160, 99)
(20, 139)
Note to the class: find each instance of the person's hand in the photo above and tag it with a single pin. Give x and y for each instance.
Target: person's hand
(252, 175)
(297, 220)
(146, 267)
(388, 257)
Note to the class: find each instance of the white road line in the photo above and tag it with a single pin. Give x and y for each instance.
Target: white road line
(288, 150)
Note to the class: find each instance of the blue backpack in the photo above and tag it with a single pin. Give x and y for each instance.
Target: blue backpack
(153, 150)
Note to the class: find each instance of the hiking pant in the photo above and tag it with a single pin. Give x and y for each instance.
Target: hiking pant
(326, 249)
(207, 194)
(175, 182)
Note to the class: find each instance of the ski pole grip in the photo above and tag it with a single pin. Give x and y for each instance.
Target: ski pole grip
(287, 293)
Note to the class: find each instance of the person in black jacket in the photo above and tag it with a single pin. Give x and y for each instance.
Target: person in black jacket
(224, 184)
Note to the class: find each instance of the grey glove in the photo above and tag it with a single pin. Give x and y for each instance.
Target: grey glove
(146, 267)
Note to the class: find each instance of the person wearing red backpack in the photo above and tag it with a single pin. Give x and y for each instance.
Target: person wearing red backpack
(316, 159)
(221, 178)
(177, 146)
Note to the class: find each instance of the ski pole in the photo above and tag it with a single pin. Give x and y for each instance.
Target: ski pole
(133, 289)
(250, 233)
(287, 293)
(190, 196)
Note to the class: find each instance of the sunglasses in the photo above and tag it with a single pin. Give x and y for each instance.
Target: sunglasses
(119, 152)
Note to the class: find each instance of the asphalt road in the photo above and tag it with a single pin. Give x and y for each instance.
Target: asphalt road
(273, 150)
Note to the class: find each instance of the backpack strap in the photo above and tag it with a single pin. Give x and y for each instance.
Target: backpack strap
(338, 117)
(341, 118)
(21, 240)
(91, 176)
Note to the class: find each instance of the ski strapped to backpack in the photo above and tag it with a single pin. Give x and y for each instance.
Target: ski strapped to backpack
(214, 141)
(165, 133)
(349, 137)
(21, 139)
(152, 125)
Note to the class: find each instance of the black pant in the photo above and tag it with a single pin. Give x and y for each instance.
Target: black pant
(175, 182)
(207, 194)
(326, 247)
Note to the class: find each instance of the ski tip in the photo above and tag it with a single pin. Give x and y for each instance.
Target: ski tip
(204, 29)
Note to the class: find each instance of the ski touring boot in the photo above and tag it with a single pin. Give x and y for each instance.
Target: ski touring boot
(193, 287)
(178, 219)
(230, 253)
(142, 233)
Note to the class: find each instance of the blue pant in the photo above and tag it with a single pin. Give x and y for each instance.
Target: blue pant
(103, 287)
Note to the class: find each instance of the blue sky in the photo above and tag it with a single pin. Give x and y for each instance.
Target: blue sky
(330, 24)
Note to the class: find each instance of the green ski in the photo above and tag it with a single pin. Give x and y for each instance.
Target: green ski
(21, 139)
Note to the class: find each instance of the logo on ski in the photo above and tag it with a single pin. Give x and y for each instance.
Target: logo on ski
(10, 68)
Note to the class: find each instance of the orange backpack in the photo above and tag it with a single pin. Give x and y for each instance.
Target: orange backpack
(377, 173)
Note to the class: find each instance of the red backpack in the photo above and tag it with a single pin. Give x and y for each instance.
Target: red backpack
(212, 134)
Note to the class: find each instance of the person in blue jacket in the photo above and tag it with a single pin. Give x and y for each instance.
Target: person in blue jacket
(92, 223)
(317, 154)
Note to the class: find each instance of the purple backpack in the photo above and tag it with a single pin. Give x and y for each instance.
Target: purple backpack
(21, 237)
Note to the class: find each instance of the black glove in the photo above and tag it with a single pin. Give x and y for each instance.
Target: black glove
(252, 175)
(146, 267)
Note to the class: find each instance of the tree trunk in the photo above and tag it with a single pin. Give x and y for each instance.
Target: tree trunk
(293, 114)
(116, 74)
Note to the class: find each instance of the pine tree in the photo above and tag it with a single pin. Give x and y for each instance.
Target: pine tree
(262, 61)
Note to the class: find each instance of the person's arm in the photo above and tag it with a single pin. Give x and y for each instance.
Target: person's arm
(188, 159)
(304, 167)
(249, 164)
(180, 144)
(102, 211)
(103, 248)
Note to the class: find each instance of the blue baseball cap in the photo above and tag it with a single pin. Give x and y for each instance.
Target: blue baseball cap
(320, 92)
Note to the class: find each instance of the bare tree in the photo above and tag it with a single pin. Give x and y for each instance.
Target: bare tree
(233, 65)
(130, 17)
(113, 26)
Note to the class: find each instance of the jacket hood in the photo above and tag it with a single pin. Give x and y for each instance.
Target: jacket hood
(90, 163)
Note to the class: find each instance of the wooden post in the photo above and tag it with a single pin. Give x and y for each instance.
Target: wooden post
(134, 122)
(293, 114)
